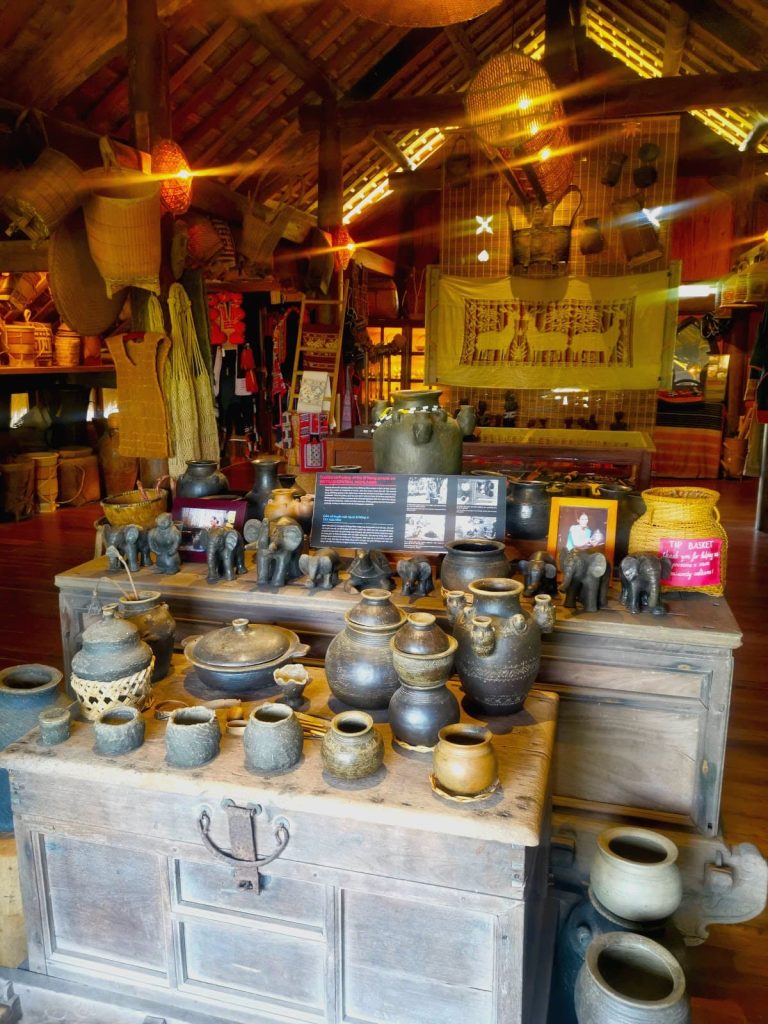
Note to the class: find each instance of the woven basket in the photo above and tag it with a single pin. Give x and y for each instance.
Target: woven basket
(40, 197)
(132, 507)
(19, 343)
(424, 14)
(687, 513)
(66, 347)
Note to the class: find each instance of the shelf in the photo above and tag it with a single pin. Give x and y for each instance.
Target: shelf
(28, 371)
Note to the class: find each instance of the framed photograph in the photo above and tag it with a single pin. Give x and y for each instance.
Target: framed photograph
(588, 524)
(192, 515)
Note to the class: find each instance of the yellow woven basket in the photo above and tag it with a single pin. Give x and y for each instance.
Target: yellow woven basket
(680, 512)
(133, 507)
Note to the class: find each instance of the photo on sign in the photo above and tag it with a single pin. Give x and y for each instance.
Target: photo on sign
(424, 528)
(427, 490)
(475, 526)
(582, 524)
(484, 492)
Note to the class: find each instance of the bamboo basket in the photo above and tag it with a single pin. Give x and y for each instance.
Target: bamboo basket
(135, 507)
(66, 347)
(46, 478)
(687, 513)
(40, 197)
(19, 343)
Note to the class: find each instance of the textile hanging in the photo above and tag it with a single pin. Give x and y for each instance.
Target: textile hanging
(600, 332)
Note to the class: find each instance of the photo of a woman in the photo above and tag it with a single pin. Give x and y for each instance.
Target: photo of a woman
(582, 527)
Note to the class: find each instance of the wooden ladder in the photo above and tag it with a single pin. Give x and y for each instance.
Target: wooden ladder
(318, 347)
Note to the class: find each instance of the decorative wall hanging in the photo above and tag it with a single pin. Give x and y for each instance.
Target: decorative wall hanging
(424, 14)
(176, 189)
(604, 333)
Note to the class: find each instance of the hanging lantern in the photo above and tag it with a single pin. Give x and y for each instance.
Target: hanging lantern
(511, 104)
(419, 13)
(175, 190)
(343, 246)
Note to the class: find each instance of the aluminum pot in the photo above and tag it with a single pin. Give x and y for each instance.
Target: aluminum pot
(242, 657)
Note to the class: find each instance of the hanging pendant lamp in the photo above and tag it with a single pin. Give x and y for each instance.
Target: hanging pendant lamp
(175, 190)
(512, 105)
(419, 13)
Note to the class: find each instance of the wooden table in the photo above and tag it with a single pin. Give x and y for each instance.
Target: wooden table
(387, 903)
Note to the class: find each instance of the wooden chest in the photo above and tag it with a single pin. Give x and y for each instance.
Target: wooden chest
(388, 903)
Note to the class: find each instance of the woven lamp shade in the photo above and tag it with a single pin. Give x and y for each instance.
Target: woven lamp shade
(511, 104)
(341, 242)
(419, 13)
(175, 192)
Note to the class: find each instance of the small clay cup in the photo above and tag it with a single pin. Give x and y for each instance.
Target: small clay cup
(192, 737)
(351, 748)
(464, 761)
(273, 739)
(55, 724)
(118, 731)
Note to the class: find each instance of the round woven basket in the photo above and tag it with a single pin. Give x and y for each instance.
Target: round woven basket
(132, 507)
(689, 513)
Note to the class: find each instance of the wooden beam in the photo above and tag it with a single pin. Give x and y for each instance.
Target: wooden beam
(390, 149)
(648, 97)
(674, 42)
(424, 179)
(276, 42)
(330, 176)
(19, 257)
(372, 261)
(560, 43)
(205, 50)
(463, 47)
(148, 94)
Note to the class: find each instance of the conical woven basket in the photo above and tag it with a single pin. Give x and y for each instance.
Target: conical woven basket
(40, 197)
(680, 512)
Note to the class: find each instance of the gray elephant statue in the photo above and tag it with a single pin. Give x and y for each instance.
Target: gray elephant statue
(539, 573)
(586, 575)
(131, 542)
(321, 568)
(278, 544)
(225, 553)
(164, 540)
(416, 574)
(641, 576)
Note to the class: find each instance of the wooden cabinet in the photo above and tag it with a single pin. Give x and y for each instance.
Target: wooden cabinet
(387, 903)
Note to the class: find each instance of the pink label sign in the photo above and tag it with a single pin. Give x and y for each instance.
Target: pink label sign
(695, 563)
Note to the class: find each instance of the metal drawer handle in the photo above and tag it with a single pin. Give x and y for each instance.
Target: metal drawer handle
(242, 827)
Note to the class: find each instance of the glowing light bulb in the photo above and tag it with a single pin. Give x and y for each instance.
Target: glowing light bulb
(184, 173)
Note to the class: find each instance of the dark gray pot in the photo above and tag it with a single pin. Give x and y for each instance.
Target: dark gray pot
(192, 737)
(273, 739)
(118, 731)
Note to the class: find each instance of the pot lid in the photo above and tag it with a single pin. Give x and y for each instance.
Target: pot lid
(243, 645)
(110, 630)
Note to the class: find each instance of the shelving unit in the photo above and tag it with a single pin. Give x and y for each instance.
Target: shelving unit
(395, 370)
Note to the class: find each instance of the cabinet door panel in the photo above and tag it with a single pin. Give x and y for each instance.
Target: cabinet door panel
(103, 902)
(407, 962)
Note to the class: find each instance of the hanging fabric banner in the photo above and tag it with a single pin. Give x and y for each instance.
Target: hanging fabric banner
(601, 332)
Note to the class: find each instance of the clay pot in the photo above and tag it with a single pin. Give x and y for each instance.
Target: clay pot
(634, 874)
(55, 725)
(264, 482)
(468, 560)
(464, 761)
(201, 479)
(156, 626)
(528, 506)
(544, 612)
(467, 420)
(242, 657)
(358, 663)
(118, 731)
(499, 646)
(114, 666)
(351, 748)
(192, 737)
(280, 503)
(418, 713)
(422, 654)
(630, 979)
(303, 509)
(289, 480)
(273, 739)
(418, 438)
(292, 680)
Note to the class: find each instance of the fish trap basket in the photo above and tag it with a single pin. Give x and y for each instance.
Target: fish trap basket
(688, 513)
(40, 197)
(134, 507)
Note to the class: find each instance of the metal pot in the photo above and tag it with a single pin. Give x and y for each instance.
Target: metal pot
(242, 657)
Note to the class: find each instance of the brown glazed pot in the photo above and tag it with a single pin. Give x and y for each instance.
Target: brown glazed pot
(469, 560)
(358, 662)
(464, 761)
(351, 748)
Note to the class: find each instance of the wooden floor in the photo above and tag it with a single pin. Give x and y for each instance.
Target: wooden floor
(733, 964)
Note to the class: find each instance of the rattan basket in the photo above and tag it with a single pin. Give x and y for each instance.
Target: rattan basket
(40, 197)
(687, 513)
(134, 507)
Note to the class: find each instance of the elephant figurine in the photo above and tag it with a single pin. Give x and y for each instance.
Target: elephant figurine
(164, 540)
(416, 574)
(278, 544)
(641, 576)
(539, 573)
(131, 542)
(586, 575)
(321, 568)
(225, 553)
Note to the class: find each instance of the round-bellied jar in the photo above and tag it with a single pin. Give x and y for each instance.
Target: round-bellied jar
(464, 761)
(201, 478)
(634, 874)
(351, 748)
(273, 739)
(473, 559)
(418, 437)
(528, 506)
(156, 626)
(358, 662)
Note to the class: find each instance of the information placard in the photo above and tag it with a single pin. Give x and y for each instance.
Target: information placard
(695, 563)
(401, 512)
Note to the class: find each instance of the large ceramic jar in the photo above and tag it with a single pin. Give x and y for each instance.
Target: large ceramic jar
(528, 506)
(114, 666)
(25, 691)
(265, 480)
(418, 437)
(630, 979)
(358, 663)
(499, 645)
(157, 627)
(201, 479)
(634, 874)
(468, 560)
(351, 748)
(629, 506)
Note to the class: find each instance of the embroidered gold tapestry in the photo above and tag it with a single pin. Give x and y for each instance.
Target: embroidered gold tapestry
(603, 332)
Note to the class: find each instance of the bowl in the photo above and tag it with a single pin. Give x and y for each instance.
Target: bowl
(135, 507)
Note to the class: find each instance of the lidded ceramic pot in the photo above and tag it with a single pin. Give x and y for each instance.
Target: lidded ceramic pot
(351, 748)
(418, 437)
(201, 478)
(114, 666)
(473, 559)
(630, 979)
(157, 627)
(634, 874)
(423, 658)
(464, 761)
(243, 656)
(358, 664)
(273, 739)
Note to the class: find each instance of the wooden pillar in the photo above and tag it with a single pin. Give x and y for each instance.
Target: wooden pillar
(148, 91)
(330, 188)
